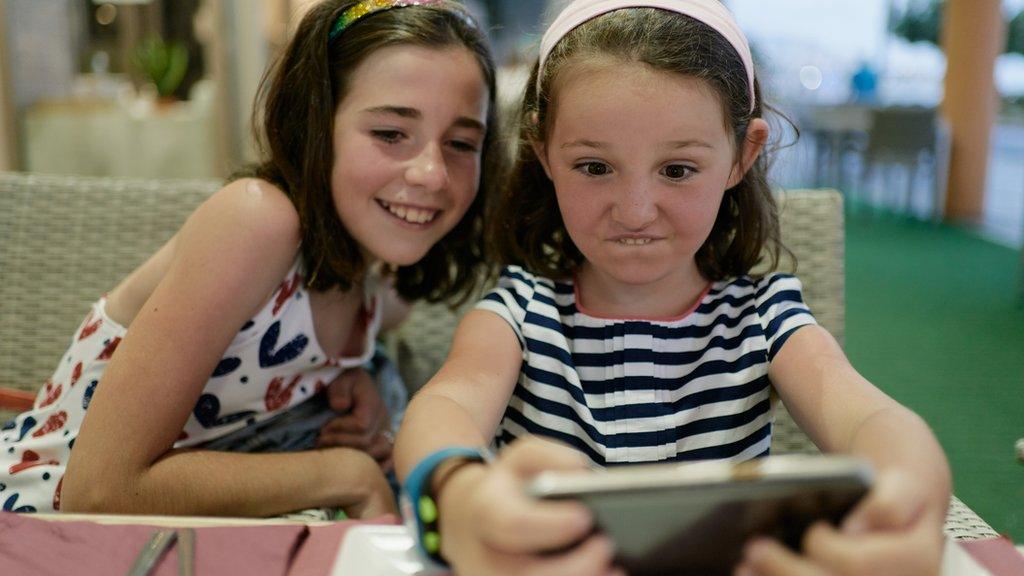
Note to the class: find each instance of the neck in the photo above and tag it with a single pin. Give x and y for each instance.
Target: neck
(671, 296)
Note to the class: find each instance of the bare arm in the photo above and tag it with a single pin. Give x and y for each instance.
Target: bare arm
(843, 412)
(488, 524)
(897, 528)
(230, 255)
(463, 403)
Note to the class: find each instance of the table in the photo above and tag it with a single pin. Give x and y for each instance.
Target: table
(387, 549)
(91, 545)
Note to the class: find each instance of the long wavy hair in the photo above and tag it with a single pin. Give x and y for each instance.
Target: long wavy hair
(293, 121)
(525, 227)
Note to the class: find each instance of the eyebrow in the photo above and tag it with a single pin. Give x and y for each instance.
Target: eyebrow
(674, 144)
(414, 114)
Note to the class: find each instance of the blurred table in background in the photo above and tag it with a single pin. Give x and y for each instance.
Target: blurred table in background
(105, 138)
(854, 144)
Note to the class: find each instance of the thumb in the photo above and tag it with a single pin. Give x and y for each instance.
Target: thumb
(531, 455)
(339, 393)
(892, 504)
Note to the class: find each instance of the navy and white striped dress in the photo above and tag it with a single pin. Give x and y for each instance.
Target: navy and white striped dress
(689, 388)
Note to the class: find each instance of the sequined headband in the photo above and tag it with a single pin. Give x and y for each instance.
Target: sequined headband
(711, 12)
(367, 7)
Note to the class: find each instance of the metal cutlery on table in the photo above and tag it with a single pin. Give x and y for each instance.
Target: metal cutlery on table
(152, 552)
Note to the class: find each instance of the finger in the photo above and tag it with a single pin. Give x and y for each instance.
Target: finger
(339, 392)
(355, 422)
(532, 455)
(361, 442)
(367, 400)
(327, 428)
(367, 405)
(766, 557)
(915, 551)
(379, 446)
(521, 525)
(592, 557)
(380, 449)
(891, 504)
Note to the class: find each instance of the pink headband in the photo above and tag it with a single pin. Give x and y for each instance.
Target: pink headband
(711, 12)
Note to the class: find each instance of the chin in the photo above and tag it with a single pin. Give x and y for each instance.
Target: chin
(399, 258)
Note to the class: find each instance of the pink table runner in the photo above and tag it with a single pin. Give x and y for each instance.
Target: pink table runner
(34, 546)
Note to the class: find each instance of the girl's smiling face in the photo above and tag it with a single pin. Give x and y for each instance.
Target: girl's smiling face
(407, 146)
(640, 160)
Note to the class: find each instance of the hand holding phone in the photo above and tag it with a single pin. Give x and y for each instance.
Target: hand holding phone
(695, 517)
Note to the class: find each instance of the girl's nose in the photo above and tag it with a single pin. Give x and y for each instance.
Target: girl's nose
(428, 169)
(635, 208)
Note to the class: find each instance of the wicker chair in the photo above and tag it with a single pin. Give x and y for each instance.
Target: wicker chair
(65, 240)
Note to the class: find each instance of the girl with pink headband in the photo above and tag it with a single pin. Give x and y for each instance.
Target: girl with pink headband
(629, 324)
(231, 373)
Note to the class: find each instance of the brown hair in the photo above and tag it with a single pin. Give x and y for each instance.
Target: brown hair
(526, 228)
(300, 95)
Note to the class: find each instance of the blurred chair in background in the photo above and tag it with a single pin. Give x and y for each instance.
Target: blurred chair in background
(839, 133)
(67, 240)
(916, 140)
(859, 147)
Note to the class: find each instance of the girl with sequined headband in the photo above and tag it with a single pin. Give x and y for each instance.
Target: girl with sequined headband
(628, 324)
(248, 331)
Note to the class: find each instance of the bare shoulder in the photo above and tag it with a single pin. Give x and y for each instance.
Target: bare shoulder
(484, 326)
(247, 235)
(484, 342)
(254, 206)
(248, 226)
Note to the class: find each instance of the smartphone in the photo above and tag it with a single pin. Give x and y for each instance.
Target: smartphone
(694, 518)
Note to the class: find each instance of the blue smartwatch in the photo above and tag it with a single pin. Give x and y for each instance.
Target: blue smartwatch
(419, 508)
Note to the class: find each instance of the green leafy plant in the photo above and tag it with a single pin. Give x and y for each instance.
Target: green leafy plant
(920, 21)
(162, 63)
(1015, 34)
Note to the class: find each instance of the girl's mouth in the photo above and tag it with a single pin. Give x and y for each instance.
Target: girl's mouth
(635, 241)
(410, 214)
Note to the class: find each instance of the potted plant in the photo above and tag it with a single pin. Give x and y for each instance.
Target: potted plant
(163, 64)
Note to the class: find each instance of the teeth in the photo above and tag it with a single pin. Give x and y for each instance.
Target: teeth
(412, 215)
(634, 241)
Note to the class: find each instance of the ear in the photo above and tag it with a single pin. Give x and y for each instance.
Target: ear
(753, 144)
(540, 149)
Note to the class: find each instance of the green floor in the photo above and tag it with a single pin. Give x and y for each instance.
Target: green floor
(933, 319)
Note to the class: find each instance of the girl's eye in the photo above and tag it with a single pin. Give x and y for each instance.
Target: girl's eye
(594, 168)
(388, 136)
(464, 146)
(677, 171)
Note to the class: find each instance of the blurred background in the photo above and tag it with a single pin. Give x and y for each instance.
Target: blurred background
(914, 109)
(163, 88)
